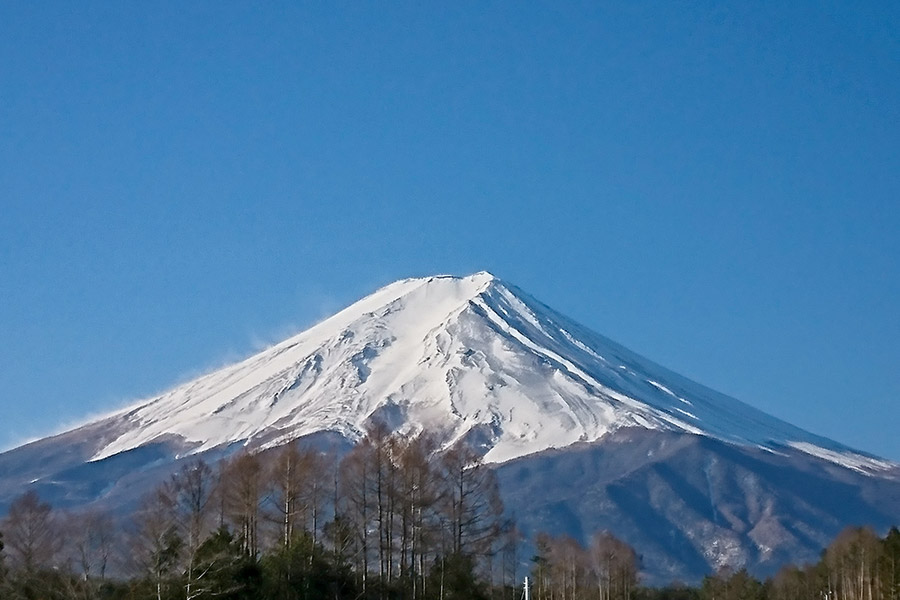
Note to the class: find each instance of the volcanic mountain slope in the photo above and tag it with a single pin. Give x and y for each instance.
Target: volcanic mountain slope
(464, 356)
(477, 359)
(691, 504)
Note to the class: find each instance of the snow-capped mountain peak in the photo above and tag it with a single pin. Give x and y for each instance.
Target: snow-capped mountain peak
(469, 357)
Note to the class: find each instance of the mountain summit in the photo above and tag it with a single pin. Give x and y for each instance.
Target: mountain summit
(464, 357)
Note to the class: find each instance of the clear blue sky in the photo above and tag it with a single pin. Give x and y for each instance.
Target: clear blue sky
(715, 186)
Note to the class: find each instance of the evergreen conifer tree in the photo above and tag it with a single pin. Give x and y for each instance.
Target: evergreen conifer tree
(890, 565)
(2, 563)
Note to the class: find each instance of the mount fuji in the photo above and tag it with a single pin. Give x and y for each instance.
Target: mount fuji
(584, 434)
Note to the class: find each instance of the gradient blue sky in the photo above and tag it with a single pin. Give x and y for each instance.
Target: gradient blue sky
(715, 186)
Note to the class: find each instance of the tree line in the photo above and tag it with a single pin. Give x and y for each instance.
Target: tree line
(392, 518)
(857, 565)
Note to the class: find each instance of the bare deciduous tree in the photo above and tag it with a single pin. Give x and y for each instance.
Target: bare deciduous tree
(852, 560)
(471, 502)
(193, 487)
(418, 493)
(91, 537)
(242, 493)
(355, 504)
(614, 566)
(155, 543)
(31, 535)
(287, 478)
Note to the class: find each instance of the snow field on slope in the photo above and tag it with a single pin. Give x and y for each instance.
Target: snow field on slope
(456, 357)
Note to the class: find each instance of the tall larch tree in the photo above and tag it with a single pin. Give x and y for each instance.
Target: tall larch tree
(32, 538)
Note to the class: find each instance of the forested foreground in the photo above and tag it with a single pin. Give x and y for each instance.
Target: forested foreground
(390, 519)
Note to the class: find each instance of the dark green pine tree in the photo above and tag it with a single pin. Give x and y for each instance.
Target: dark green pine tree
(224, 571)
(453, 578)
(673, 591)
(890, 565)
(732, 585)
(302, 571)
(2, 565)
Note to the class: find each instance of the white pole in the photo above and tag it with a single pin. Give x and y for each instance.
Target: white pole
(527, 591)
